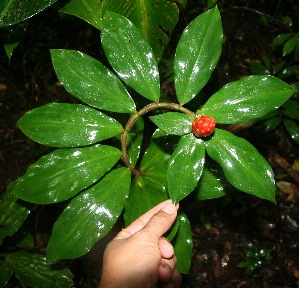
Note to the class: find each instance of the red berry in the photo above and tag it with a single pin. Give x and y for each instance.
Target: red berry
(203, 126)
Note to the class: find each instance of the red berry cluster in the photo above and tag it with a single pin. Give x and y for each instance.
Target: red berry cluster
(203, 126)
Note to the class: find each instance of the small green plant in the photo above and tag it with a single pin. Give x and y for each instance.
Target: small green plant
(254, 258)
(92, 137)
(288, 114)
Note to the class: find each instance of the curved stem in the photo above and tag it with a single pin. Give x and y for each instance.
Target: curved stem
(132, 120)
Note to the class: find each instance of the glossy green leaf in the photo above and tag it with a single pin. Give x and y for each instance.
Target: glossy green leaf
(91, 82)
(15, 11)
(130, 55)
(185, 167)
(292, 128)
(68, 125)
(150, 189)
(197, 54)
(13, 212)
(183, 243)
(243, 166)
(6, 272)
(134, 148)
(174, 123)
(145, 193)
(32, 270)
(248, 98)
(65, 172)
(89, 216)
(87, 10)
(155, 19)
(154, 164)
(212, 183)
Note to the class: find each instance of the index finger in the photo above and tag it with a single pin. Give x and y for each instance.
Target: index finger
(140, 222)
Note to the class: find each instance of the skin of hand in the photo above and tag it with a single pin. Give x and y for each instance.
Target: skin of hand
(139, 256)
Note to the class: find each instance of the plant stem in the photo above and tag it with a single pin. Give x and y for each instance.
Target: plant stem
(132, 120)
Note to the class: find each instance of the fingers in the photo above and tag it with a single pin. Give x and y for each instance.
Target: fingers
(169, 276)
(175, 282)
(166, 248)
(162, 221)
(140, 223)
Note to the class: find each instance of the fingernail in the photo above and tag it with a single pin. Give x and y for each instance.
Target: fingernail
(169, 208)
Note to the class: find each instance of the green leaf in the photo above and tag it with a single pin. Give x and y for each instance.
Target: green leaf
(280, 39)
(243, 166)
(289, 46)
(173, 230)
(32, 270)
(130, 55)
(197, 54)
(91, 82)
(13, 11)
(155, 19)
(89, 216)
(68, 125)
(6, 272)
(150, 189)
(13, 212)
(154, 164)
(270, 124)
(182, 244)
(65, 172)
(212, 183)
(87, 10)
(134, 141)
(267, 61)
(24, 240)
(145, 193)
(185, 167)
(287, 21)
(292, 128)
(288, 71)
(134, 148)
(174, 123)
(12, 37)
(292, 112)
(248, 98)
(258, 68)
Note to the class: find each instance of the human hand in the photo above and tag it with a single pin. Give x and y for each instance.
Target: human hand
(139, 256)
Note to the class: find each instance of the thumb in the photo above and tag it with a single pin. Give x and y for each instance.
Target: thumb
(162, 221)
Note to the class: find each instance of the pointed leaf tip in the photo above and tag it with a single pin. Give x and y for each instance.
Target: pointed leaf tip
(197, 54)
(130, 55)
(243, 166)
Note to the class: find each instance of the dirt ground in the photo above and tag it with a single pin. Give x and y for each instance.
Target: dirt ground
(224, 226)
